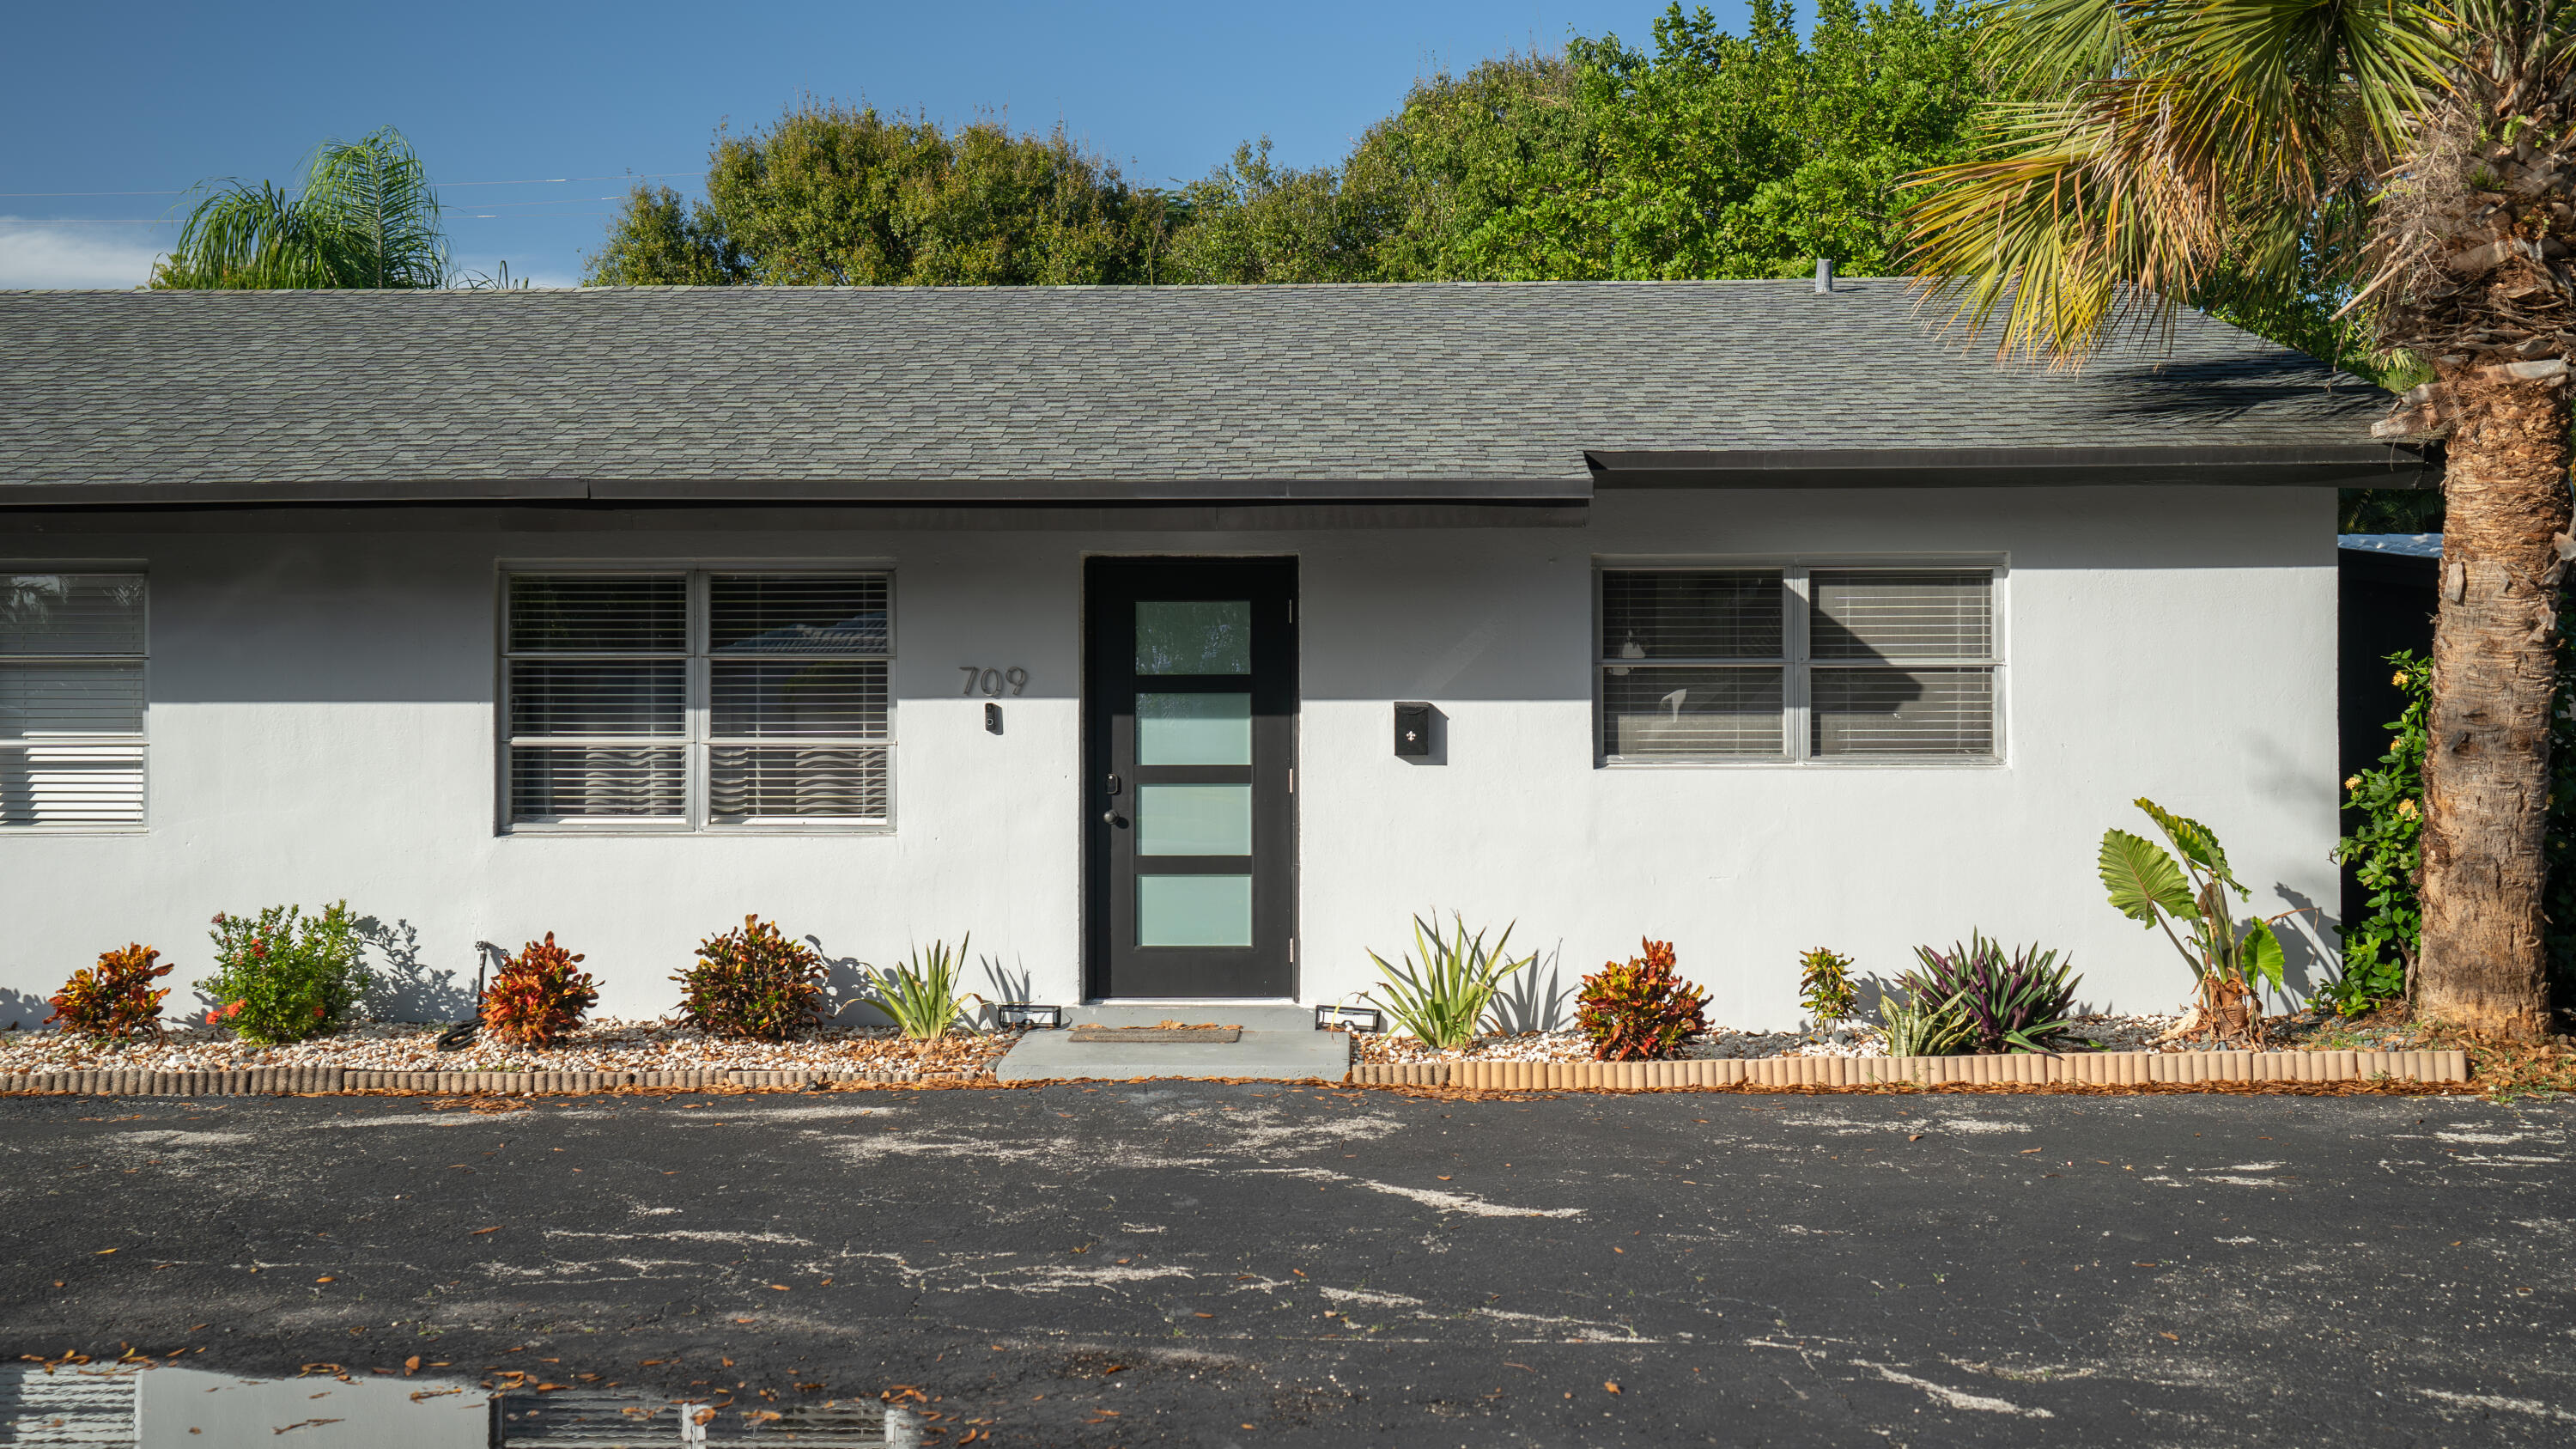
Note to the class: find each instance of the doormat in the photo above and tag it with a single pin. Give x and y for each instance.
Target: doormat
(1157, 1033)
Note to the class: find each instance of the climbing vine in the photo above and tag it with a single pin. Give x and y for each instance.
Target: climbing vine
(2386, 848)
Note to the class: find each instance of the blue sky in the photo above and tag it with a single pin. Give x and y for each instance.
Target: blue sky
(149, 99)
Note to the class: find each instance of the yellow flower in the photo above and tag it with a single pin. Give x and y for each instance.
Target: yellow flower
(2398, 679)
(2353, 784)
(2405, 807)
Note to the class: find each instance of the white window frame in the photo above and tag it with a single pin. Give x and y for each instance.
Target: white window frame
(139, 741)
(1797, 665)
(697, 741)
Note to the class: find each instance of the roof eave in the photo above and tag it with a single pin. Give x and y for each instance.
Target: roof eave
(2323, 465)
(944, 492)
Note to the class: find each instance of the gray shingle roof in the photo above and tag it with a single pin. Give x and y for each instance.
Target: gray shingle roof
(1161, 392)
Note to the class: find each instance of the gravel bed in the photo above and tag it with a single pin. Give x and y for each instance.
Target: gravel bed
(2114, 1033)
(601, 1046)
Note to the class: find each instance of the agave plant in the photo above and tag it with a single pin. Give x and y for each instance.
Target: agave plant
(1442, 997)
(921, 995)
(2021, 1003)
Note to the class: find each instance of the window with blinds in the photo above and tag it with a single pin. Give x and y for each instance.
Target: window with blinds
(1798, 664)
(698, 699)
(72, 654)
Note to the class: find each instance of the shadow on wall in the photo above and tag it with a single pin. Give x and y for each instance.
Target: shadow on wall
(1001, 984)
(2309, 959)
(23, 1009)
(406, 987)
(1534, 997)
(845, 989)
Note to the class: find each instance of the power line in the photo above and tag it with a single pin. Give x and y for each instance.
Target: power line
(453, 216)
(441, 185)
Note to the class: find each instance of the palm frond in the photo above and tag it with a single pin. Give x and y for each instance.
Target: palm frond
(2172, 133)
(365, 215)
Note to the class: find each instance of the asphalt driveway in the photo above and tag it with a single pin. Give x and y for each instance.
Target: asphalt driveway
(1192, 1263)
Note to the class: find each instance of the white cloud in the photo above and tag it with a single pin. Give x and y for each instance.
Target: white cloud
(35, 253)
(77, 254)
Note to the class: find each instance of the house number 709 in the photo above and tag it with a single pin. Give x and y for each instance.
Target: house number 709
(990, 681)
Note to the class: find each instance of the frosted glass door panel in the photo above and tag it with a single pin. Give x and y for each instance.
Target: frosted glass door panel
(1193, 910)
(1194, 820)
(1194, 638)
(1193, 729)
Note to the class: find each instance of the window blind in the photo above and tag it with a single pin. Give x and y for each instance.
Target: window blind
(1797, 663)
(696, 699)
(1692, 663)
(72, 656)
(1860, 620)
(798, 676)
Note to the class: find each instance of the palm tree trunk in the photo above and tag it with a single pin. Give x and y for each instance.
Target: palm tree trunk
(2486, 766)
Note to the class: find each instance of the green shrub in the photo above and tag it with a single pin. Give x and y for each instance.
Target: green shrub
(1825, 986)
(1919, 1024)
(921, 995)
(1639, 1010)
(1442, 998)
(113, 1000)
(537, 996)
(284, 976)
(2385, 850)
(752, 982)
(2024, 1003)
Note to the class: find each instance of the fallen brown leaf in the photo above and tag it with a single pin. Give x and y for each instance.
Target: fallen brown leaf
(1611, 1385)
(478, 1232)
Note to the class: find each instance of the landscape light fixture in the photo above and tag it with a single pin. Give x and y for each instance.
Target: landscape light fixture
(1353, 1018)
(1028, 1013)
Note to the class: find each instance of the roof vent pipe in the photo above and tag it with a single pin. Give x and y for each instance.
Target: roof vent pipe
(1824, 275)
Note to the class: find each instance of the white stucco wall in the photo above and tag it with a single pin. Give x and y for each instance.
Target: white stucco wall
(321, 726)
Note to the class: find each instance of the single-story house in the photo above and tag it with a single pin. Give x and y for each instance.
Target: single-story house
(1181, 644)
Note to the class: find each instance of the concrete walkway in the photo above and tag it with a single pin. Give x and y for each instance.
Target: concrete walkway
(1278, 1043)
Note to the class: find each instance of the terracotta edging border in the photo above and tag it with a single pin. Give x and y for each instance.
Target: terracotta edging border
(2095, 1069)
(305, 1081)
(2103, 1069)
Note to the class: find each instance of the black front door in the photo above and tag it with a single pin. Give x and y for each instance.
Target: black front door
(1189, 723)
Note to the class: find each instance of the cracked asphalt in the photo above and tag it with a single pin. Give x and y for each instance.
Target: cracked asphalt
(1204, 1263)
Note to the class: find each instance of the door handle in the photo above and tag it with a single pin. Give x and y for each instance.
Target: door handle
(1110, 815)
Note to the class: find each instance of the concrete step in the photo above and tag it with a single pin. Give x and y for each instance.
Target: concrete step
(1295, 1055)
(1193, 1013)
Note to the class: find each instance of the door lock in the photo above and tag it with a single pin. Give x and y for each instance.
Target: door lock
(1110, 815)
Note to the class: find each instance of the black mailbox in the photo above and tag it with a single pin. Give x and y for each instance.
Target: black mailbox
(1412, 730)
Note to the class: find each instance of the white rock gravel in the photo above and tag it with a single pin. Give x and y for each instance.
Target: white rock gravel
(2115, 1033)
(601, 1046)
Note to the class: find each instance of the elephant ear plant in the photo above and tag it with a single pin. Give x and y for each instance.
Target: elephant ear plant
(1443, 998)
(2230, 960)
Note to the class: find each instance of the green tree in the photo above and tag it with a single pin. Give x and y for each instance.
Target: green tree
(363, 215)
(662, 241)
(2422, 157)
(1726, 156)
(1456, 185)
(833, 195)
(1253, 221)
(1710, 155)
